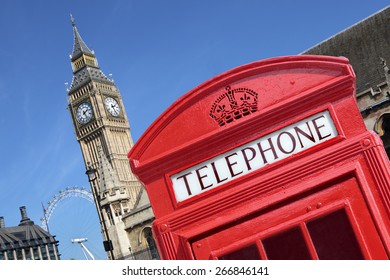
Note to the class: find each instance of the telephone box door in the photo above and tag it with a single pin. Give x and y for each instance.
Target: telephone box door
(331, 223)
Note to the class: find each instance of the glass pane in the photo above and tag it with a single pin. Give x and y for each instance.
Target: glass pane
(287, 245)
(36, 253)
(27, 253)
(10, 254)
(333, 237)
(246, 253)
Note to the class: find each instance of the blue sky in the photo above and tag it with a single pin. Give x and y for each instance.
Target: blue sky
(156, 52)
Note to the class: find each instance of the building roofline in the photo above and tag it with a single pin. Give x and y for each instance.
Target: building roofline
(345, 29)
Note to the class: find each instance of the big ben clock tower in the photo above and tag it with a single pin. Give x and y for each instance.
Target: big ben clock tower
(102, 130)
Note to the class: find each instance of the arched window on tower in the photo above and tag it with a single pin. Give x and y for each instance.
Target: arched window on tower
(147, 237)
(382, 127)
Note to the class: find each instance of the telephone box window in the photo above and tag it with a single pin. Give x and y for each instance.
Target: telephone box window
(287, 245)
(246, 253)
(333, 237)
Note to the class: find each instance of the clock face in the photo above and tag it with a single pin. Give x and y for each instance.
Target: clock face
(84, 113)
(112, 106)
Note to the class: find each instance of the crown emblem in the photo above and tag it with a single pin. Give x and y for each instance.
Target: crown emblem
(233, 104)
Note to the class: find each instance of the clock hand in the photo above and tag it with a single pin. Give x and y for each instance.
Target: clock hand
(116, 110)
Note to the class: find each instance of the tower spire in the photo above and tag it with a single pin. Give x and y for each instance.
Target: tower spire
(72, 20)
(79, 46)
(84, 63)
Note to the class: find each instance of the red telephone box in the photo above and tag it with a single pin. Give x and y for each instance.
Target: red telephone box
(270, 160)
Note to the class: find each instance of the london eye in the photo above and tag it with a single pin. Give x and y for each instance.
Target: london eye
(69, 215)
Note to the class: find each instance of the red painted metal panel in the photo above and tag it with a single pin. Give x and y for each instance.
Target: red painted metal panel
(343, 194)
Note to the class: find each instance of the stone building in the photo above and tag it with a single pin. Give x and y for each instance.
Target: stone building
(102, 129)
(26, 241)
(367, 46)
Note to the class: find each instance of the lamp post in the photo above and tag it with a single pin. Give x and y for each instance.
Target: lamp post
(91, 173)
